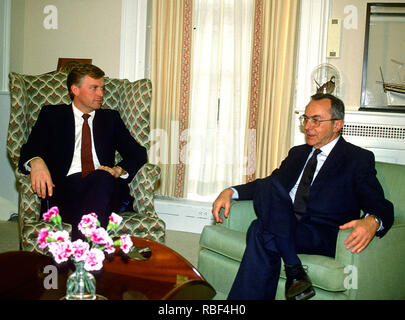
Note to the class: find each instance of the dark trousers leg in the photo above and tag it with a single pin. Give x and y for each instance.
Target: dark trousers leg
(274, 209)
(259, 270)
(99, 192)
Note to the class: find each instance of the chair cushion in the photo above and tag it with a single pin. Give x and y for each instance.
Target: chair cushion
(325, 272)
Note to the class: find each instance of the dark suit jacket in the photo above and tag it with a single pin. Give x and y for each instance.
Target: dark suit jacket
(52, 138)
(346, 184)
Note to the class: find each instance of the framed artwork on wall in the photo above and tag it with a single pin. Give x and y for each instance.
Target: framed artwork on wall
(65, 64)
(383, 84)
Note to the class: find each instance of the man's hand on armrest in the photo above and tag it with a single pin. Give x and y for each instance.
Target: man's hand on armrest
(41, 180)
(363, 232)
(222, 201)
(115, 171)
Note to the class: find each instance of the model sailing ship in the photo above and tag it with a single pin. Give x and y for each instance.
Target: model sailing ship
(394, 91)
(392, 87)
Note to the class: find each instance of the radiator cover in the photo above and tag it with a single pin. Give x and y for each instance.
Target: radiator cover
(184, 215)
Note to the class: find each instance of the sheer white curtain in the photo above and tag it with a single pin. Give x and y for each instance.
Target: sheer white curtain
(214, 151)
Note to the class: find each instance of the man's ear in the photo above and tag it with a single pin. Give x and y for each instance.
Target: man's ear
(338, 125)
(75, 89)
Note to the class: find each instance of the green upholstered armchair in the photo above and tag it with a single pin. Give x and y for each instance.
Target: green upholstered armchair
(132, 99)
(375, 273)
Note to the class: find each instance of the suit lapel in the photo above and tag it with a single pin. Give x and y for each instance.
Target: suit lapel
(295, 166)
(332, 164)
(98, 134)
(66, 139)
(68, 121)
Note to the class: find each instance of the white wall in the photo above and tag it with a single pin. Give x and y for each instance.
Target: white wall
(43, 31)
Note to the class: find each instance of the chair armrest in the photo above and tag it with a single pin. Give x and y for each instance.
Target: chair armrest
(378, 268)
(143, 187)
(240, 217)
(224, 241)
(29, 203)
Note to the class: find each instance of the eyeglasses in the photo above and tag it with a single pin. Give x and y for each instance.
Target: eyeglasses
(313, 121)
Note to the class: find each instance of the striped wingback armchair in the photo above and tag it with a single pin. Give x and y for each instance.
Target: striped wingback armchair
(28, 94)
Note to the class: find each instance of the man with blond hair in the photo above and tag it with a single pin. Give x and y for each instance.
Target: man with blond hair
(70, 153)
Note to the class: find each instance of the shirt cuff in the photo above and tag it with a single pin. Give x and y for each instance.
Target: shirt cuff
(26, 165)
(235, 195)
(123, 176)
(381, 224)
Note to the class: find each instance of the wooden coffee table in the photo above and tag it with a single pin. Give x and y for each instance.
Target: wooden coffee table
(163, 275)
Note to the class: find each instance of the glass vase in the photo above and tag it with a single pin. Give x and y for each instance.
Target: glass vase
(81, 285)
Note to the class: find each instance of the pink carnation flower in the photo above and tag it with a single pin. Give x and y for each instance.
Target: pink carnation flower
(88, 224)
(94, 260)
(61, 251)
(59, 236)
(52, 212)
(126, 243)
(100, 236)
(42, 236)
(115, 219)
(109, 248)
(79, 250)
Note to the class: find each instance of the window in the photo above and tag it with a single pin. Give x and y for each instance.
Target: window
(220, 91)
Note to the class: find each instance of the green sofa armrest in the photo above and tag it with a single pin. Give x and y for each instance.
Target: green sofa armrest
(224, 241)
(375, 273)
(241, 215)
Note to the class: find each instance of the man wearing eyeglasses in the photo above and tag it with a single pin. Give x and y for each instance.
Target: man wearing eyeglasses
(319, 188)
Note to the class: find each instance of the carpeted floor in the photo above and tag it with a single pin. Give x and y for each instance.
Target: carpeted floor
(185, 243)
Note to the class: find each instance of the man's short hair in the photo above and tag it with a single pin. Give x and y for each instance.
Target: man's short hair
(77, 74)
(337, 105)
